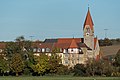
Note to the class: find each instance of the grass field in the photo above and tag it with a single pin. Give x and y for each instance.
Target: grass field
(58, 78)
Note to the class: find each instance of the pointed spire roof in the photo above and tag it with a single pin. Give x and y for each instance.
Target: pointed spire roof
(73, 44)
(88, 20)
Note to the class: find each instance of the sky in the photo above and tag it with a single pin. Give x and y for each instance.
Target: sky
(43, 19)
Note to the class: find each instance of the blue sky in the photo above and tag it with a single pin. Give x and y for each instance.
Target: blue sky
(57, 18)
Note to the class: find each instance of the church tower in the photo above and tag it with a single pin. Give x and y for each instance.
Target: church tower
(88, 30)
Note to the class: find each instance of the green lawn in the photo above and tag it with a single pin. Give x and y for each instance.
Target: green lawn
(57, 78)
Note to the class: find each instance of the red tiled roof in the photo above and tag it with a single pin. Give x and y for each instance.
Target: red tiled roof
(46, 45)
(62, 45)
(68, 40)
(88, 20)
(73, 44)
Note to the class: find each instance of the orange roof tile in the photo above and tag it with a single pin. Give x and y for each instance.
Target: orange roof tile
(88, 20)
(46, 45)
(62, 45)
(68, 40)
(73, 44)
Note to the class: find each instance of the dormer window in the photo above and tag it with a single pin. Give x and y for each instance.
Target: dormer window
(39, 50)
(47, 50)
(80, 51)
(65, 50)
(43, 50)
(71, 50)
(34, 50)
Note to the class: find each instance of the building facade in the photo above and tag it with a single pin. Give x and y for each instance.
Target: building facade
(73, 50)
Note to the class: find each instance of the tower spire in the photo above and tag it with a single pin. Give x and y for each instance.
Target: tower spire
(88, 20)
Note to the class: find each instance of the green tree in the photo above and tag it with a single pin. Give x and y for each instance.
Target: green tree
(17, 64)
(117, 58)
(24, 48)
(91, 67)
(54, 61)
(79, 70)
(101, 68)
(107, 42)
(41, 64)
(4, 66)
(107, 68)
(63, 70)
(11, 48)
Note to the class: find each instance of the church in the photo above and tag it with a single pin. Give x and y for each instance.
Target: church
(73, 50)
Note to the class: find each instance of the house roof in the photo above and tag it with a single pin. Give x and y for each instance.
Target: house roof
(50, 40)
(62, 45)
(46, 45)
(88, 20)
(73, 44)
(68, 40)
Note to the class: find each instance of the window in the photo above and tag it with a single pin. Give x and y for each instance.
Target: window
(43, 50)
(80, 51)
(72, 55)
(65, 51)
(39, 50)
(66, 61)
(88, 30)
(71, 50)
(34, 50)
(66, 55)
(47, 50)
